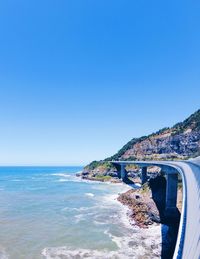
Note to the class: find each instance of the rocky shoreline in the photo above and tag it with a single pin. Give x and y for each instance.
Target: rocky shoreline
(146, 206)
(143, 211)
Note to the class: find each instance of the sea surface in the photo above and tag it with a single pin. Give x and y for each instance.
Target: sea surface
(48, 212)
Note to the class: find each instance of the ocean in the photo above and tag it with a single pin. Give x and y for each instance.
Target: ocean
(49, 213)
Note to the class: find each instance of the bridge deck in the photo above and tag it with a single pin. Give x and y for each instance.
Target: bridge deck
(188, 241)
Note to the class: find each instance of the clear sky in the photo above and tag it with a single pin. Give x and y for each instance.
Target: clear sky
(80, 78)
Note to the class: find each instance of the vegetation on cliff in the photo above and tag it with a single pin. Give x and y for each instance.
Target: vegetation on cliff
(182, 141)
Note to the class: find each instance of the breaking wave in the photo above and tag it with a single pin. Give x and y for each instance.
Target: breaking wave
(62, 175)
(89, 194)
(143, 244)
(134, 243)
(71, 178)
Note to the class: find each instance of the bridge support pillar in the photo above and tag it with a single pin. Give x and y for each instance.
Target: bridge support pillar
(123, 173)
(118, 167)
(171, 192)
(144, 175)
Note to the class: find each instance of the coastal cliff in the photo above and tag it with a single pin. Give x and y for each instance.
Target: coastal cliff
(147, 205)
(182, 141)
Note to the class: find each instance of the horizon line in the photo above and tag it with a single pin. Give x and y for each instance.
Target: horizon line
(35, 165)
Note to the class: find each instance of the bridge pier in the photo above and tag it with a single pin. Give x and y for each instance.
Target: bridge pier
(171, 194)
(118, 167)
(144, 175)
(123, 173)
(164, 193)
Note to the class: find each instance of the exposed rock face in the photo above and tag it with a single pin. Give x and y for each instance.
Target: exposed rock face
(143, 210)
(146, 209)
(182, 141)
(162, 146)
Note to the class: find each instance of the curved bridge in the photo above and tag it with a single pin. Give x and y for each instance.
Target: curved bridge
(188, 241)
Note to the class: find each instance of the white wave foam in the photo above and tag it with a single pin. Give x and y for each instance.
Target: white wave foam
(133, 242)
(65, 253)
(89, 194)
(72, 178)
(78, 209)
(143, 244)
(63, 180)
(62, 175)
(83, 216)
(116, 240)
(109, 198)
(96, 222)
(79, 217)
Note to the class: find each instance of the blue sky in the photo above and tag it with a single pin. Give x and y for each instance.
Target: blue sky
(78, 79)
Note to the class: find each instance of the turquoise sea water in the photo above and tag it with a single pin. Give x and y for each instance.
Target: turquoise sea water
(47, 212)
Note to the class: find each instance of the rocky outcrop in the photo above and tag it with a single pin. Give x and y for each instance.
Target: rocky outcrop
(143, 210)
(148, 205)
(166, 146)
(182, 141)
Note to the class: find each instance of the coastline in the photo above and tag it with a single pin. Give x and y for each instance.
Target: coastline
(133, 242)
(142, 211)
(147, 231)
(67, 214)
